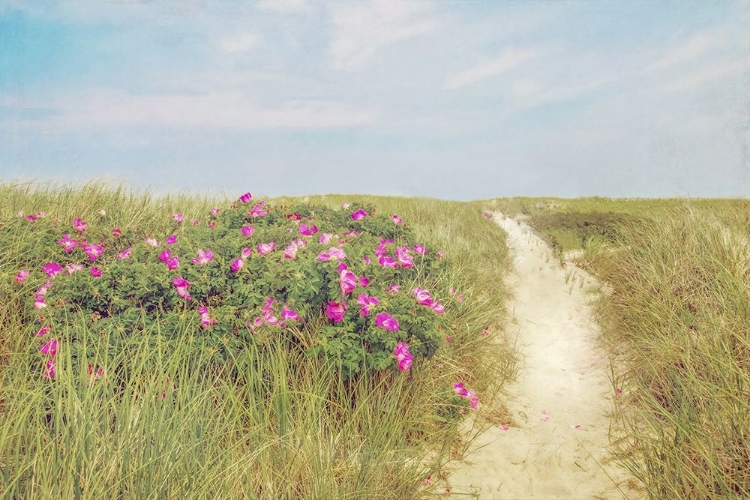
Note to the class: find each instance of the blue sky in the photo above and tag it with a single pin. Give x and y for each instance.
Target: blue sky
(454, 99)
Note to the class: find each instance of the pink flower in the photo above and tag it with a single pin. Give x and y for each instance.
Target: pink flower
(125, 253)
(344, 206)
(212, 224)
(237, 264)
(182, 285)
(386, 261)
(348, 279)
(366, 259)
(368, 303)
(67, 243)
(381, 250)
(423, 297)
(437, 307)
(266, 248)
(333, 253)
(267, 313)
(196, 222)
(306, 230)
(39, 302)
(460, 298)
(247, 231)
(246, 252)
(420, 249)
(206, 319)
(459, 389)
(204, 257)
(71, 268)
(43, 331)
(352, 233)
(43, 289)
(22, 275)
(325, 238)
(93, 251)
(258, 211)
(32, 218)
(178, 218)
(173, 263)
(49, 348)
(406, 260)
(470, 394)
(96, 272)
(440, 254)
(171, 239)
(165, 255)
(397, 219)
(393, 289)
(215, 211)
(364, 281)
(403, 356)
(49, 371)
(452, 291)
(336, 311)
(52, 269)
(290, 251)
(385, 320)
(359, 214)
(289, 314)
(95, 374)
(152, 242)
(80, 225)
(246, 197)
(116, 232)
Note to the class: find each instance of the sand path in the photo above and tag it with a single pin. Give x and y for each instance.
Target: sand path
(557, 444)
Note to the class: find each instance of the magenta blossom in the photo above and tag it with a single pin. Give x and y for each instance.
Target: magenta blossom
(93, 251)
(460, 298)
(52, 269)
(290, 252)
(333, 253)
(94, 374)
(403, 357)
(125, 253)
(258, 211)
(22, 275)
(165, 255)
(171, 239)
(246, 252)
(182, 285)
(178, 218)
(267, 313)
(359, 214)
(336, 311)
(437, 307)
(366, 259)
(116, 232)
(386, 261)
(43, 331)
(247, 231)
(423, 297)
(49, 348)
(421, 250)
(215, 211)
(39, 302)
(348, 279)
(397, 219)
(470, 394)
(67, 243)
(306, 230)
(385, 320)
(325, 238)
(352, 233)
(368, 303)
(49, 370)
(289, 314)
(406, 260)
(96, 272)
(173, 263)
(440, 254)
(206, 319)
(71, 268)
(204, 257)
(393, 289)
(31, 218)
(43, 289)
(152, 242)
(237, 264)
(246, 197)
(266, 248)
(364, 281)
(452, 291)
(80, 225)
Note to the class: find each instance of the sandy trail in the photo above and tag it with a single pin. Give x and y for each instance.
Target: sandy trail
(557, 445)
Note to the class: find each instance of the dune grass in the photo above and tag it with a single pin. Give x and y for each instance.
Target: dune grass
(172, 423)
(677, 324)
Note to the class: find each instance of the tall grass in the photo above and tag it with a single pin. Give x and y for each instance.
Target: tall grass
(170, 422)
(678, 324)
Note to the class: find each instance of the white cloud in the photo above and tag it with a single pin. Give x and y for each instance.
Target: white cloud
(286, 6)
(242, 42)
(707, 75)
(216, 110)
(508, 60)
(361, 31)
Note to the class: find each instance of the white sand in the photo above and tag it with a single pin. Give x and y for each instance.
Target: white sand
(563, 383)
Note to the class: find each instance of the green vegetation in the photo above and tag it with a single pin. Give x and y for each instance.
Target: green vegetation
(185, 411)
(677, 324)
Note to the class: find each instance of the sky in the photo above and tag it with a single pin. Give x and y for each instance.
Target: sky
(459, 99)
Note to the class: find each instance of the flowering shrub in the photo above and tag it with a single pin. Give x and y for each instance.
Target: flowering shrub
(243, 274)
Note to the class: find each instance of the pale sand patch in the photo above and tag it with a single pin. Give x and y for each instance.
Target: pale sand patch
(558, 444)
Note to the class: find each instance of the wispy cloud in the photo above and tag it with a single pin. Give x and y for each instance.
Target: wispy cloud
(508, 60)
(708, 74)
(361, 31)
(242, 42)
(286, 6)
